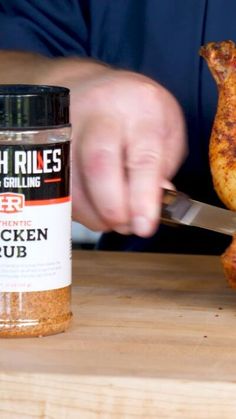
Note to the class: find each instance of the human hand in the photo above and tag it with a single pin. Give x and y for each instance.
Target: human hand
(128, 138)
(128, 142)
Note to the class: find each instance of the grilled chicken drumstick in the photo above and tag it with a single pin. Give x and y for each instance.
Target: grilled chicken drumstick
(221, 60)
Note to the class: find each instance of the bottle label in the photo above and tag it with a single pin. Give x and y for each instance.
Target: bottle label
(35, 217)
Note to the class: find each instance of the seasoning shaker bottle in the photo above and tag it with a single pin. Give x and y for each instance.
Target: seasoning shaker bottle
(35, 210)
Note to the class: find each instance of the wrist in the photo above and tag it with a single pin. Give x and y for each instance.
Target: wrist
(69, 71)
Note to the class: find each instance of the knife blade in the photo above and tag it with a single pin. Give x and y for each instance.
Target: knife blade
(178, 208)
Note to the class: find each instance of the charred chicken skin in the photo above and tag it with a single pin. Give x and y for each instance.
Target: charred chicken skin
(221, 60)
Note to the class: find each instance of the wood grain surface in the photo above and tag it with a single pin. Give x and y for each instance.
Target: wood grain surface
(153, 336)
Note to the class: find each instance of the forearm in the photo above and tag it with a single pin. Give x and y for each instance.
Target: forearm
(30, 68)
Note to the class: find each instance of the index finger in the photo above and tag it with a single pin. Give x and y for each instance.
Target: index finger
(101, 158)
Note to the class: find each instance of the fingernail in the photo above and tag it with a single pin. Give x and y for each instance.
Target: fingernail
(141, 226)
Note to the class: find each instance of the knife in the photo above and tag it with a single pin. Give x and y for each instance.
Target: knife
(178, 208)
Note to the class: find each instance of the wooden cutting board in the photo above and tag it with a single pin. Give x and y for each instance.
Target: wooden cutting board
(153, 336)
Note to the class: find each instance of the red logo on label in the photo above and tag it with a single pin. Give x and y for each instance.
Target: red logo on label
(11, 202)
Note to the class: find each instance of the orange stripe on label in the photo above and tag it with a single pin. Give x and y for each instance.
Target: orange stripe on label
(55, 179)
(48, 201)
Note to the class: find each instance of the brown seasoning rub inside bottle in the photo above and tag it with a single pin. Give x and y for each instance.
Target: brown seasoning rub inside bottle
(40, 313)
(221, 60)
